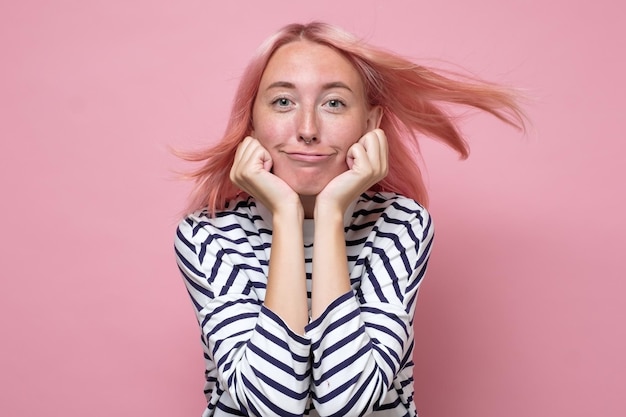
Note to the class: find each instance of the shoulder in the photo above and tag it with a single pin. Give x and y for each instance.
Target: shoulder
(385, 206)
(239, 214)
(391, 218)
(239, 210)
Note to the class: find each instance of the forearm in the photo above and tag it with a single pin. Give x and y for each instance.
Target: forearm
(354, 364)
(267, 374)
(330, 268)
(286, 285)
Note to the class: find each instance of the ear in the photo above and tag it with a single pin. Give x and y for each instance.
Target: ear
(374, 117)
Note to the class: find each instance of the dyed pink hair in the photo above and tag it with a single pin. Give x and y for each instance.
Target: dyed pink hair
(410, 95)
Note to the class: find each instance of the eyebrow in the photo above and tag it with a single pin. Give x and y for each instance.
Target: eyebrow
(327, 86)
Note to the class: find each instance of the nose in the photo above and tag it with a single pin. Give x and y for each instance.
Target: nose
(307, 126)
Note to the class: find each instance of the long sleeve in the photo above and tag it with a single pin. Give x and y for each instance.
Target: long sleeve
(254, 363)
(364, 339)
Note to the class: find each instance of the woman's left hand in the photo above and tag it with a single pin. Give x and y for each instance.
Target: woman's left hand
(367, 163)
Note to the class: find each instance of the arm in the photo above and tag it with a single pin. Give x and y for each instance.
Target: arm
(286, 283)
(286, 286)
(359, 350)
(363, 340)
(367, 162)
(250, 352)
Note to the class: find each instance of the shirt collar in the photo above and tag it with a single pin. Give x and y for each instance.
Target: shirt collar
(308, 225)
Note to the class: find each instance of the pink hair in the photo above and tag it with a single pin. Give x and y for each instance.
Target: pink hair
(410, 95)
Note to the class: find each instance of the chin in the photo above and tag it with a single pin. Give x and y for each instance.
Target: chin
(308, 189)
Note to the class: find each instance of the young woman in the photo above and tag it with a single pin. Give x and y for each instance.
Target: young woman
(308, 237)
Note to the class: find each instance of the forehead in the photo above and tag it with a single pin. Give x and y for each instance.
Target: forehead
(305, 63)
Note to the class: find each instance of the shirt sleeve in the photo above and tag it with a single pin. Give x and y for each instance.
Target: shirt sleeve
(365, 337)
(250, 352)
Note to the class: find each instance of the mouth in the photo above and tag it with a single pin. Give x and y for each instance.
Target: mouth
(307, 157)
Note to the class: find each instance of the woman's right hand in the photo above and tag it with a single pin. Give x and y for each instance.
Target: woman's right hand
(251, 171)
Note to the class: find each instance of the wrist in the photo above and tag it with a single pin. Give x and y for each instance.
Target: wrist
(290, 214)
(328, 213)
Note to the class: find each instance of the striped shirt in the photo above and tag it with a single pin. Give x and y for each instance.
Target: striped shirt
(353, 360)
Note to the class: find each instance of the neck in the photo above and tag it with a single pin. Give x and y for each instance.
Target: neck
(308, 204)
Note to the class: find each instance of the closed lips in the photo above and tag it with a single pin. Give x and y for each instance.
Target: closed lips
(308, 157)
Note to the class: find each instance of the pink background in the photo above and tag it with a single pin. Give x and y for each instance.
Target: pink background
(522, 312)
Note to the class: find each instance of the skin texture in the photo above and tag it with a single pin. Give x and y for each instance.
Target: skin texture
(315, 147)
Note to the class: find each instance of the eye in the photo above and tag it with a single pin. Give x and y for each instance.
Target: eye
(335, 104)
(282, 102)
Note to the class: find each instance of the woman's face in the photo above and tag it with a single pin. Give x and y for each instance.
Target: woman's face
(309, 110)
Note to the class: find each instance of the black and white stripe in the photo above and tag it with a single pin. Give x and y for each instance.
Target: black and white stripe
(353, 360)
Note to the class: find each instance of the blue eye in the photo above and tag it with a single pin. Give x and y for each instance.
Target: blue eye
(335, 104)
(282, 102)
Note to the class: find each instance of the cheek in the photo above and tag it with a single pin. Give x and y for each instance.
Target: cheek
(270, 132)
(347, 134)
